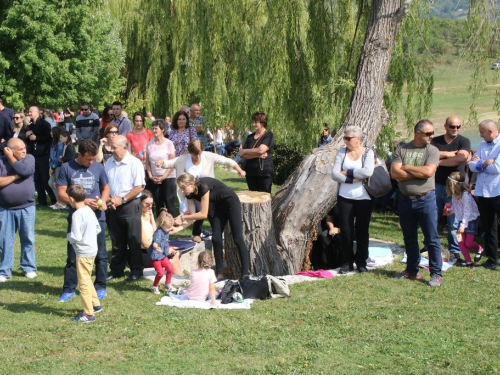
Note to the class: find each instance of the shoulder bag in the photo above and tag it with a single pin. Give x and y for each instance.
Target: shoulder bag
(379, 183)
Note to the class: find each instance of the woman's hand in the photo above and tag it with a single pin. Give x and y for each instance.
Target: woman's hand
(60, 159)
(334, 231)
(159, 163)
(242, 173)
(103, 141)
(264, 155)
(177, 221)
(172, 252)
(51, 171)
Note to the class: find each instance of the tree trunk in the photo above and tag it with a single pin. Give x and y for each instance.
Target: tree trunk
(310, 192)
(258, 233)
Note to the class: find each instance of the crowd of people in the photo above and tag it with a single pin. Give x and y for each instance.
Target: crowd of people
(123, 169)
(126, 168)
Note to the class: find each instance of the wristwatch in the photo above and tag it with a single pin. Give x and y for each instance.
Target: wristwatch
(124, 200)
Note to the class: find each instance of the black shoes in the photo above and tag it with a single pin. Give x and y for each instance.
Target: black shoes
(489, 265)
(134, 277)
(346, 268)
(478, 256)
(362, 269)
(465, 264)
(112, 276)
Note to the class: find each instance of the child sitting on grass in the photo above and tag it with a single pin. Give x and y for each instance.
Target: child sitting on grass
(159, 252)
(83, 237)
(466, 212)
(202, 280)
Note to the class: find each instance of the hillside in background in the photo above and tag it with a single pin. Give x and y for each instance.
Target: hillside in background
(449, 8)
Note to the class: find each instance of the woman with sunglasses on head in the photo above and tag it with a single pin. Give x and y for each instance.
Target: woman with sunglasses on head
(104, 149)
(20, 126)
(353, 164)
(258, 155)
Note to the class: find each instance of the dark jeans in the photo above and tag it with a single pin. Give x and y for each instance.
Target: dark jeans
(41, 179)
(230, 211)
(101, 263)
(413, 212)
(163, 194)
(260, 183)
(361, 210)
(489, 210)
(125, 232)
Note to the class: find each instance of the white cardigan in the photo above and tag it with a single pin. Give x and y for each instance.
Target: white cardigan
(208, 161)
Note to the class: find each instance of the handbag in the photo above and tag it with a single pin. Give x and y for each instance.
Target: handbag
(379, 183)
(278, 287)
(255, 287)
(228, 291)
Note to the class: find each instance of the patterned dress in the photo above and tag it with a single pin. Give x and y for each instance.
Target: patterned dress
(181, 140)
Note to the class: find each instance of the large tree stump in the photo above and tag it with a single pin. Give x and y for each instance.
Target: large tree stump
(259, 236)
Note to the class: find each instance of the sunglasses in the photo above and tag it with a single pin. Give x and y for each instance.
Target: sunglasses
(149, 204)
(348, 138)
(453, 127)
(16, 117)
(428, 134)
(113, 132)
(84, 109)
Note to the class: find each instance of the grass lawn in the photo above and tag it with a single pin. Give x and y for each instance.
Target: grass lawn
(360, 324)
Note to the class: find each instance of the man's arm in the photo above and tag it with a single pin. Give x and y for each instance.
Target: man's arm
(424, 172)
(7, 180)
(399, 174)
(453, 158)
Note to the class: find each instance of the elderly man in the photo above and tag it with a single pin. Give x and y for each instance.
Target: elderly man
(126, 182)
(17, 208)
(413, 166)
(454, 150)
(486, 162)
(83, 171)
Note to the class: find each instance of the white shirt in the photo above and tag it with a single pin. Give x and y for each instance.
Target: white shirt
(488, 179)
(84, 231)
(192, 169)
(355, 190)
(125, 175)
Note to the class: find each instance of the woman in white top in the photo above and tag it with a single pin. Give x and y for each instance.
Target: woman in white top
(161, 183)
(198, 163)
(353, 164)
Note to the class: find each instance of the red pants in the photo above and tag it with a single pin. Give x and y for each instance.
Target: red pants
(158, 266)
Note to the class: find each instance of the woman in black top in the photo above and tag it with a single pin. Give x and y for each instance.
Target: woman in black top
(258, 155)
(219, 204)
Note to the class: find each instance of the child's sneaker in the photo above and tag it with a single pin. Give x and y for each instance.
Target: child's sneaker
(181, 291)
(97, 309)
(82, 318)
(155, 290)
(170, 289)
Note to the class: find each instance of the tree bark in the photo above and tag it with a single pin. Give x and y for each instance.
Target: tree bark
(310, 192)
(258, 234)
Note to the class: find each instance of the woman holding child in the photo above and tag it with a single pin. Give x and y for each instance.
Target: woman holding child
(353, 164)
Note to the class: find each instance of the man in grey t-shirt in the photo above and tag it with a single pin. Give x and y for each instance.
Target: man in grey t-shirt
(413, 166)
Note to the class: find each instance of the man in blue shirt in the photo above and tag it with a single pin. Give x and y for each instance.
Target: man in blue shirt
(486, 162)
(83, 171)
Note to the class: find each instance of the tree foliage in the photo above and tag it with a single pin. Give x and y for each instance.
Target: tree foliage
(58, 52)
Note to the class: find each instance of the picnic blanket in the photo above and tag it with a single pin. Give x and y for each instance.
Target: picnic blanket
(424, 263)
(181, 301)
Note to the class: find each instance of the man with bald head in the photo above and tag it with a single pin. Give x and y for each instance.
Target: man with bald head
(454, 150)
(126, 182)
(17, 209)
(39, 138)
(486, 162)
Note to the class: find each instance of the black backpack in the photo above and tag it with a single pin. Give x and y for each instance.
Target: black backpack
(230, 287)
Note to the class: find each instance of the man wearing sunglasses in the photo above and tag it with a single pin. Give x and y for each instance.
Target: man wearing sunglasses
(87, 124)
(454, 151)
(413, 166)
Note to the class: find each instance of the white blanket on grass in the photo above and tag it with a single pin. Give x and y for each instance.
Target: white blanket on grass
(182, 302)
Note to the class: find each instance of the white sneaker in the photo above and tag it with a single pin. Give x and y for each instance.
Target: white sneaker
(3, 279)
(30, 275)
(155, 290)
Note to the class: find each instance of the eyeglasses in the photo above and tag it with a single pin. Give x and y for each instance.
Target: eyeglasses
(348, 139)
(428, 134)
(113, 132)
(453, 127)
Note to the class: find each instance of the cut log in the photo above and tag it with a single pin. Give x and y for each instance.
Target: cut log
(259, 236)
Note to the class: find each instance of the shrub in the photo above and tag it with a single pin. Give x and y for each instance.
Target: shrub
(286, 160)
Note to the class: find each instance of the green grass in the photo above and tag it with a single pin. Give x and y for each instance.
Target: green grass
(348, 325)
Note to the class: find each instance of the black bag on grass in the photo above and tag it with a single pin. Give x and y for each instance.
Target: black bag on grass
(255, 287)
(230, 287)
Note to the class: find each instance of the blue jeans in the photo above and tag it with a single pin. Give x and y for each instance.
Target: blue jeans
(101, 263)
(11, 221)
(227, 148)
(441, 199)
(413, 212)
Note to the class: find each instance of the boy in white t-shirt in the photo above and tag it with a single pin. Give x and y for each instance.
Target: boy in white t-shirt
(83, 237)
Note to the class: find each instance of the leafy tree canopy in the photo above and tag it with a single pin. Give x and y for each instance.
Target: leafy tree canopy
(58, 52)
